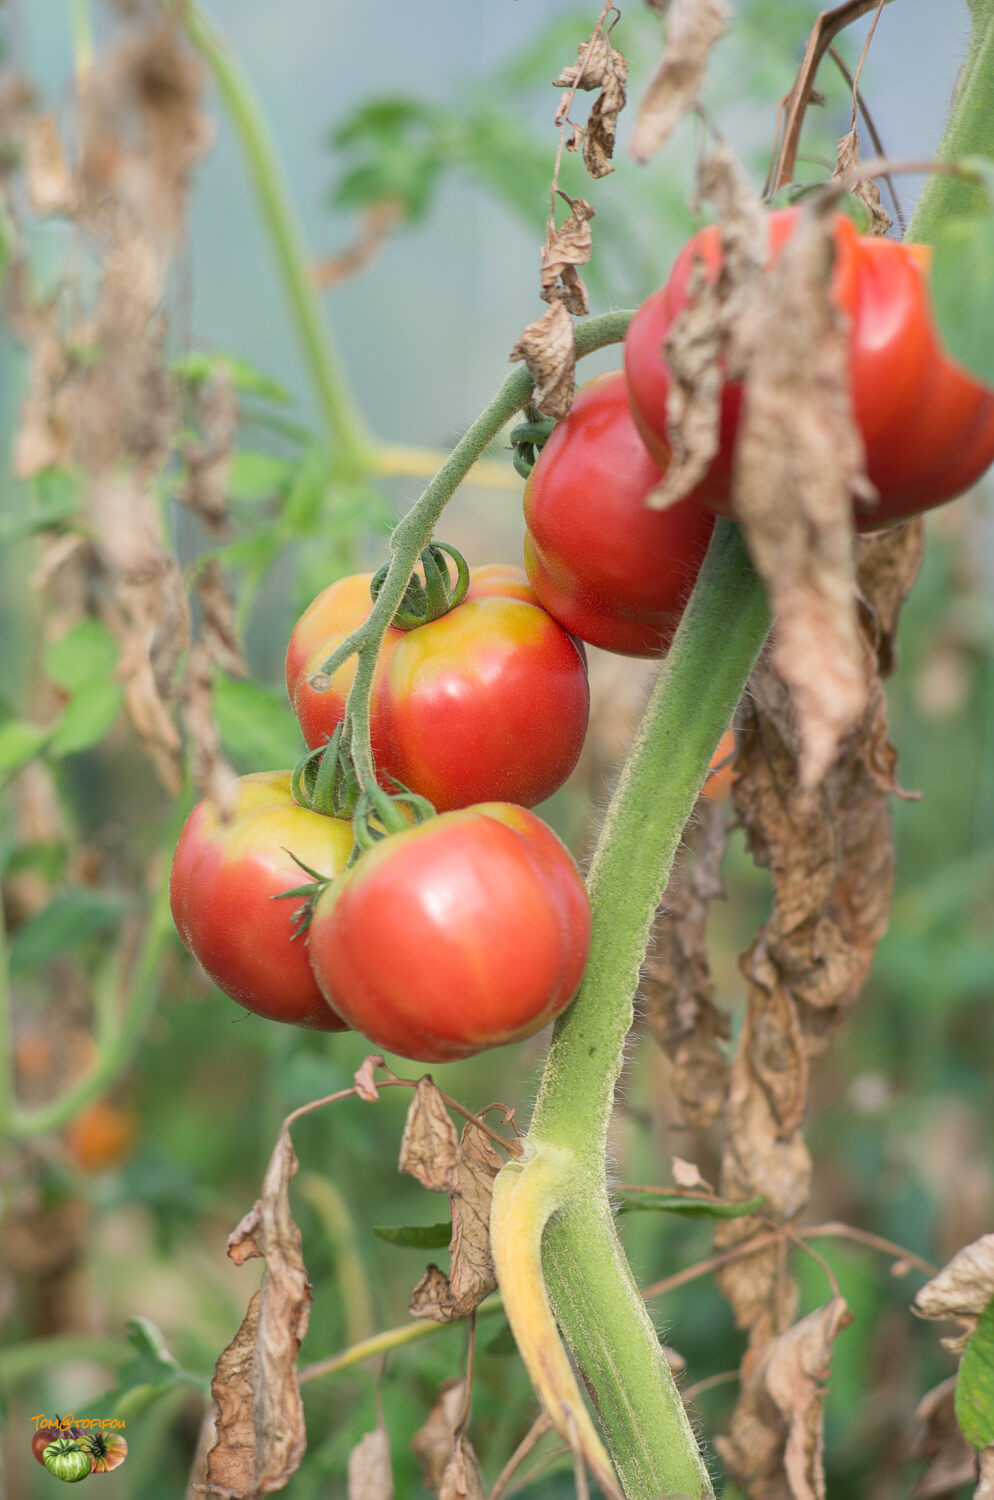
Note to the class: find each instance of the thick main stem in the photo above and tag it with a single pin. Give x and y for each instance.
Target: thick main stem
(594, 1294)
(969, 132)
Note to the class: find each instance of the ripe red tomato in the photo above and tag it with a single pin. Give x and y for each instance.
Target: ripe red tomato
(106, 1453)
(614, 572)
(489, 701)
(928, 426)
(465, 932)
(225, 878)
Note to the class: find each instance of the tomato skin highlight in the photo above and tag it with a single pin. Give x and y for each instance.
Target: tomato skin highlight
(466, 932)
(613, 571)
(488, 702)
(225, 878)
(927, 426)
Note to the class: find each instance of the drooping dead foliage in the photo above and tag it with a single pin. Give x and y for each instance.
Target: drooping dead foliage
(692, 29)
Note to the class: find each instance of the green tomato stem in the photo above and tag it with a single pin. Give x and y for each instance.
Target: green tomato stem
(339, 411)
(969, 132)
(415, 531)
(594, 1295)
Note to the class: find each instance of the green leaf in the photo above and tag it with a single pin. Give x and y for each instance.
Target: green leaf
(304, 505)
(64, 924)
(20, 742)
(86, 651)
(502, 1341)
(417, 1236)
(257, 476)
(258, 729)
(89, 715)
(962, 284)
(144, 1379)
(975, 1383)
(695, 1208)
(199, 366)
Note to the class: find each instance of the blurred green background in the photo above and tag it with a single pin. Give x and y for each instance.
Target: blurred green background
(901, 1116)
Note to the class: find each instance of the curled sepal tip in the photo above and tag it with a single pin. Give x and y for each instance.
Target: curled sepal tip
(433, 597)
(526, 1195)
(324, 780)
(379, 813)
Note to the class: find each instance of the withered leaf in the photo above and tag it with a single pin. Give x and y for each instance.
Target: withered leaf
(687, 1175)
(547, 348)
(600, 66)
(208, 460)
(49, 177)
(676, 982)
(471, 1275)
(365, 1078)
(565, 248)
(429, 1147)
(961, 1290)
(950, 1462)
(370, 1474)
(693, 27)
(798, 464)
(777, 1425)
(704, 343)
(462, 1479)
(432, 1297)
(985, 1477)
(260, 1417)
(846, 164)
(433, 1443)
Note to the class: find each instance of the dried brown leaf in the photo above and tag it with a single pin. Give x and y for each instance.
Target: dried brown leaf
(370, 1474)
(433, 1443)
(798, 464)
(777, 1427)
(565, 248)
(679, 995)
(377, 221)
(846, 164)
(471, 1275)
(51, 189)
(547, 348)
(693, 28)
(600, 66)
(260, 1417)
(429, 1147)
(985, 1476)
(950, 1462)
(462, 1479)
(704, 343)
(365, 1077)
(432, 1297)
(208, 461)
(687, 1175)
(961, 1290)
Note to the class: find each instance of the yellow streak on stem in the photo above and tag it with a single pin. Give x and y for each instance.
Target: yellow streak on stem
(422, 463)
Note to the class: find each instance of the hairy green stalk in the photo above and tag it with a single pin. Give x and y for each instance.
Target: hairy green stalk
(339, 411)
(594, 1295)
(969, 132)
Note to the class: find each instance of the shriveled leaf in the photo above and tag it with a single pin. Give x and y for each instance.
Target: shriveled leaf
(950, 1462)
(962, 288)
(432, 1297)
(566, 247)
(370, 1474)
(862, 188)
(462, 1479)
(798, 465)
(260, 1417)
(365, 1078)
(975, 1383)
(429, 1147)
(600, 66)
(547, 348)
(471, 1275)
(694, 1208)
(961, 1290)
(693, 27)
(679, 995)
(416, 1236)
(433, 1443)
(687, 1175)
(51, 189)
(209, 460)
(985, 1476)
(777, 1426)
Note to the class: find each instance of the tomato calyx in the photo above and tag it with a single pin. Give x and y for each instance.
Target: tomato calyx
(428, 600)
(324, 780)
(378, 814)
(527, 441)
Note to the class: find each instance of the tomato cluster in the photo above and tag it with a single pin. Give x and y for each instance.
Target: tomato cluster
(470, 927)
